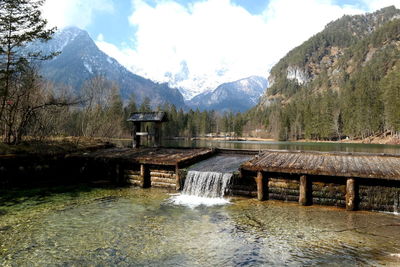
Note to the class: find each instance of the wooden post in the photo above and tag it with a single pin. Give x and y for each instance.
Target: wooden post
(157, 134)
(262, 187)
(145, 175)
(241, 173)
(351, 194)
(305, 196)
(178, 178)
(135, 138)
(119, 174)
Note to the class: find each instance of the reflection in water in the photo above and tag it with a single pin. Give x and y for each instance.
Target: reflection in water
(142, 227)
(259, 145)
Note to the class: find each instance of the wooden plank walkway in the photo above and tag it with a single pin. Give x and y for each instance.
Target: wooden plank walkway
(361, 165)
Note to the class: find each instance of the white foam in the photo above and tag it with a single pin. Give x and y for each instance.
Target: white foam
(195, 201)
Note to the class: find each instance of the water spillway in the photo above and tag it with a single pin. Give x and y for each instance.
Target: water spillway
(208, 181)
(207, 184)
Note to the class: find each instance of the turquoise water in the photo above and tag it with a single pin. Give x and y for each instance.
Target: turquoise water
(84, 226)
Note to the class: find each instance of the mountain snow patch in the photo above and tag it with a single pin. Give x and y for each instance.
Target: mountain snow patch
(88, 67)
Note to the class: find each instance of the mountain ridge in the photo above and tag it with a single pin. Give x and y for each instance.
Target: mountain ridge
(81, 59)
(343, 81)
(236, 96)
(300, 65)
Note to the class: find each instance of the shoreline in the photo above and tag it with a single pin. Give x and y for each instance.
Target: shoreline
(371, 140)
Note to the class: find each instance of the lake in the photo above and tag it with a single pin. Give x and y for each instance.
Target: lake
(259, 145)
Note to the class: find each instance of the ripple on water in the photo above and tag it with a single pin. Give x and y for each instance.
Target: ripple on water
(146, 227)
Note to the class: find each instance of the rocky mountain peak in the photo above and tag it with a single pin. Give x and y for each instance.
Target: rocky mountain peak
(81, 60)
(234, 96)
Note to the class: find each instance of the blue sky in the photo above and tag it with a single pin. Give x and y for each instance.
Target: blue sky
(198, 44)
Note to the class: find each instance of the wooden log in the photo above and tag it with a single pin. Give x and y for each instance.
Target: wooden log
(327, 194)
(305, 195)
(163, 180)
(134, 177)
(236, 192)
(163, 175)
(262, 186)
(145, 174)
(284, 179)
(161, 171)
(351, 194)
(283, 191)
(162, 185)
(283, 197)
(318, 186)
(132, 172)
(135, 183)
(329, 201)
(283, 184)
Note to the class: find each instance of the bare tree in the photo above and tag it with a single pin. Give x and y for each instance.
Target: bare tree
(28, 98)
(103, 111)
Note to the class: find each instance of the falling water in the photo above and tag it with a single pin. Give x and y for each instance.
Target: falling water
(207, 184)
(204, 188)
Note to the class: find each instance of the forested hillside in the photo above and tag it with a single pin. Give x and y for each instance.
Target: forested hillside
(342, 82)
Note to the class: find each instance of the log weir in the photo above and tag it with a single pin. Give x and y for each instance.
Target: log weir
(351, 180)
(354, 181)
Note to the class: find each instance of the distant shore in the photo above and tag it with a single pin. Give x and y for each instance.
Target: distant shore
(61, 145)
(370, 140)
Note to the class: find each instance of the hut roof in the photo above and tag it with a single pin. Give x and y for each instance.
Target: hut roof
(362, 165)
(159, 116)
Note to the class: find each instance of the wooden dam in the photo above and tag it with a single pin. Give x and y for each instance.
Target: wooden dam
(351, 180)
(355, 181)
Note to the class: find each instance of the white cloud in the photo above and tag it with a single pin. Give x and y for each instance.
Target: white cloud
(78, 13)
(210, 42)
(290, 23)
(122, 55)
(378, 4)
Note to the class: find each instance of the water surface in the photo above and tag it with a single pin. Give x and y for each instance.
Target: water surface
(129, 226)
(259, 145)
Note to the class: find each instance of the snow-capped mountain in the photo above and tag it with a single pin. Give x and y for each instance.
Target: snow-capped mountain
(234, 96)
(81, 60)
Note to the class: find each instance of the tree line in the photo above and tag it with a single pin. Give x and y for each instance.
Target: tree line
(366, 103)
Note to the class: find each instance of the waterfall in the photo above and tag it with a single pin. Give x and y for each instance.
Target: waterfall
(204, 188)
(208, 181)
(207, 184)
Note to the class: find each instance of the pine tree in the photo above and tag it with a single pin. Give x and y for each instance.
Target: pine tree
(145, 106)
(391, 86)
(20, 24)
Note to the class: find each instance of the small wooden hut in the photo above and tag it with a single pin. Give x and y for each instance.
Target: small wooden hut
(141, 117)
